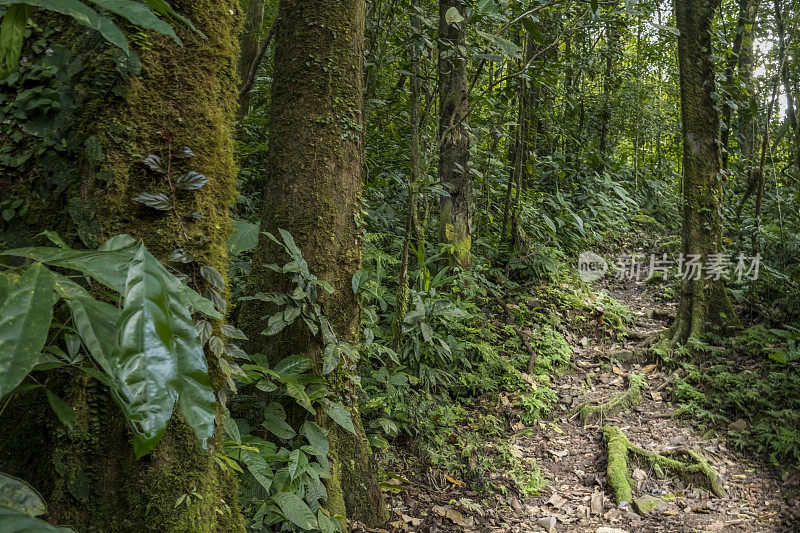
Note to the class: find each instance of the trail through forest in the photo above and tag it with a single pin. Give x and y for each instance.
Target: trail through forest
(573, 458)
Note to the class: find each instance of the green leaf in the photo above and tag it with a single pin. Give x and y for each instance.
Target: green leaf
(159, 358)
(356, 281)
(232, 350)
(83, 15)
(17, 495)
(298, 392)
(317, 437)
(12, 521)
(531, 27)
(155, 163)
(12, 33)
(95, 321)
(62, 409)
(339, 414)
(298, 463)
(295, 510)
(330, 358)
(191, 181)
(244, 236)
(184, 152)
(163, 8)
(155, 200)
(294, 364)
(232, 332)
(138, 15)
(108, 264)
(211, 275)
(452, 16)
(275, 324)
(232, 430)
(278, 426)
(24, 322)
(258, 466)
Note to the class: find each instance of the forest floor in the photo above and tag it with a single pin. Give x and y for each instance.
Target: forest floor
(572, 459)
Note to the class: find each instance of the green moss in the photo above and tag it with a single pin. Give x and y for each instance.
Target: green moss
(620, 402)
(617, 474)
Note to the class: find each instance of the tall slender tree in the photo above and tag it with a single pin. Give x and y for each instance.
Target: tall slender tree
(702, 300)
(164, 97)
(455, 217)
(313, 183)
(253, 22)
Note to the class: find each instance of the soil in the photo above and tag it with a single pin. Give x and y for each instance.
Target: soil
(572, 458)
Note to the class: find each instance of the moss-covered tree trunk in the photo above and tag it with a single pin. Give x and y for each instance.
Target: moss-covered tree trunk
(702, 300)
(113, 112)
(455, 218)
(313, 183)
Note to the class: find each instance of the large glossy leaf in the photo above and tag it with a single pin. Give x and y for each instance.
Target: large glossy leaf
(139, 15)
(109, 266)
(24, 321)
(18, 495)
(12, 33)
(159, 358)
(83, 15)
(12, 521)
(95, 321)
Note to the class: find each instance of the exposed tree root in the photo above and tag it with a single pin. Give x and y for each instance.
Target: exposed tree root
(619, 402)
(695, 470)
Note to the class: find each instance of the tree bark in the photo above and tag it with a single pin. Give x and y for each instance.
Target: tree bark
(790, 105)
(413, 182)
(253, 22)
(313, 182)
(742, 60)
(89, 476)
(702, 300)
(455, 218)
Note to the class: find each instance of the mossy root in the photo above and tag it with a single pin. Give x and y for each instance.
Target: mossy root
(694, 470)
(619, 402)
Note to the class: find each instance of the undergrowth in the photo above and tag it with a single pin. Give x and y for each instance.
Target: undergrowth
(750, 392)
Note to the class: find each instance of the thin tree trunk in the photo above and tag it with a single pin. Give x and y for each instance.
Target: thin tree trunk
(253, 21)
(740, 58)
(313, 182)
(790, 109)
(413, 182)
(455, 216)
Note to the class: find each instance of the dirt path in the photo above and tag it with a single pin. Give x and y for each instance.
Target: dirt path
(573, 458)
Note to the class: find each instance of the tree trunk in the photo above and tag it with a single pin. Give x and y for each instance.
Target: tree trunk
(413, 182)
(702, 300)
(455, 217)
(313, 182)
(89, 475)
(253, 22)
(742, 60)
(790, 109)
